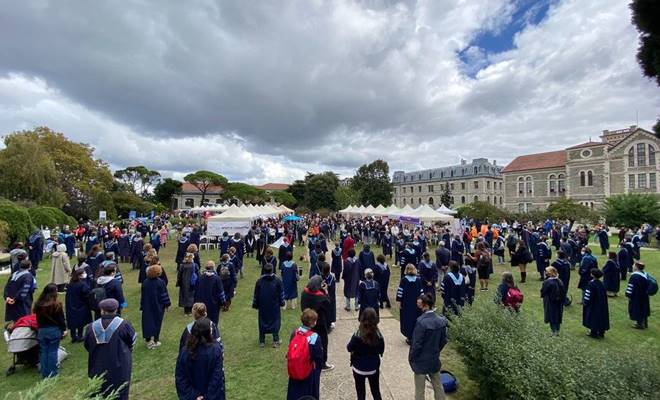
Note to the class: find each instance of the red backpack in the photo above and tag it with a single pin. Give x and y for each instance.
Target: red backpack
(513, 298)
(298, 358)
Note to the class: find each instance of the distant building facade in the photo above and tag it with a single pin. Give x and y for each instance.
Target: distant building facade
(479, 180)
(273, 187)
(191, 197)
(623, 161)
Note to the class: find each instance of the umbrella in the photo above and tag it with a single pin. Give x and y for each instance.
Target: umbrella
(292, 218)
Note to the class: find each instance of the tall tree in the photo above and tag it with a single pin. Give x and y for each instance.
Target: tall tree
(297, 190)
(445, 197)
(244, 193)
(165, 190)
(139, 178)
(202, 180)
(320, 190)
(646, 18)
(567, 209)
(285, 198)
(346, 196)
(372, 182)
(632, 209)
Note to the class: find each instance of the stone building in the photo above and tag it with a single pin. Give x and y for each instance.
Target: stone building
(468, 182)
(273, 187)
(623, 161)
(191, 197)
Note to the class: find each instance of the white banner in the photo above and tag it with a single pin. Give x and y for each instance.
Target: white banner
(217, 228)
(102, 215)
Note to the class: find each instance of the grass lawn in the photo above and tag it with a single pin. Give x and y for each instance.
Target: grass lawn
(254, 373)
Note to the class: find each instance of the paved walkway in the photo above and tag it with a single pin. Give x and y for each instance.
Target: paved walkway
(396, 377)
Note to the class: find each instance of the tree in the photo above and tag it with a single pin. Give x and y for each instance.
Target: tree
(632, 209)
(139, 179)
(320, 190)
(244, 193)
(445, 197)
(372, 182)
(567, 209)
(481, 211)
(126, 201)
(202, 180)
(297, 190)
(165, 190)
(285, 198)
(346, 196)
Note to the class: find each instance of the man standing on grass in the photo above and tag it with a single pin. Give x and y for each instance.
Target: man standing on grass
(429, 337)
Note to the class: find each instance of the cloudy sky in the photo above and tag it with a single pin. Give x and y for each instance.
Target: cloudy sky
(264, 91)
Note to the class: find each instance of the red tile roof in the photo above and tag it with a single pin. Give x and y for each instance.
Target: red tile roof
(552, 159)
(273, 186)
(587, 144)
(192, 189)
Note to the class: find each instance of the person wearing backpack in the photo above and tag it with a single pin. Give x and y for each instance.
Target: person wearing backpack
(553, 293)
(227, 273)
(508, 294)
(107, 287)
(305, 359)
(367, 347)
(640, 286)
(187, 274)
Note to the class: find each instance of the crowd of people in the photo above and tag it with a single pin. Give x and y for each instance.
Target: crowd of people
(337, 249)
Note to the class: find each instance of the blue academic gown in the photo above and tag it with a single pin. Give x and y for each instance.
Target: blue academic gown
(454, 292)
(153, 301)
(429, 274)
(409, 289)
(155, 241)
(272, 261)
(124, 246)
(611, 276)
(351, 277)
(70, 242)
(36, 249)
(20, 287)
(639, 307)
(224, 245)
(228, 282)
(367, 260)
(210, 291)
(311, 385)
(331, 288)
(588, 263)
(110, 353)
(336, 265)
(78, 313)
(182, 249)
(563, 268)
(543, 253)
(313, 263)
(93, 240)
(111, 246)
(188, 329)
(457, 251)
(368, 296)
(268, 299)
(382, 276)
(408, 256)
(625, 262)
(387, 245)
(595, 311)
(202, 375)
(290, 278)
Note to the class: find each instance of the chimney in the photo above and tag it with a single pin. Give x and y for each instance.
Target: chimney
(463, 161)
(605, 131)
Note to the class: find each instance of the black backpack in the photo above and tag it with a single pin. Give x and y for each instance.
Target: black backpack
(97, 295)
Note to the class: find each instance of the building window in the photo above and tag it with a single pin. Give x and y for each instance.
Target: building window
(451, 185)
(462, 199)
(404, 201)
(641, 181)
(529, 191)
(487, 199)
(190, 202)
(462, 185)
(631, 157)
(590, 178)
(419, 189)
(653, 183)
(521, 187)
(561, 184)
(452, 173)
(501, 200)
(420, 177)
(404, 190)
(488, 185)
(431, 188)
(476, 198)
(419, 201)
(500, 185)
(641, 154)
(476, 184)
(476, 171)
(582, 178)
(631, 181)
(431, 200)
(552, 184)
(651, 155)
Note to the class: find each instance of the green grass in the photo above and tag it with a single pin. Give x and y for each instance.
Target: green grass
(255, 373)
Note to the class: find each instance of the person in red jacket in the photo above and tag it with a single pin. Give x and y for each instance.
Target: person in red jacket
(347, 245)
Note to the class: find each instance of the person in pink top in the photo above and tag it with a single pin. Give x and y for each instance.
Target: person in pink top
(163, 236)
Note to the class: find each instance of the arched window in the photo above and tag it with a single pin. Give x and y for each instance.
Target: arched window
(501, 200)
(641, 154)
(475, 170)
(651, 155)
(431, 200)
(552, 185)
(452, 173)
(529, 188)
(487, 199)
(462, 199)
(583, 180)
(419, 201)
(631, 157)
(476, 198)
(521, 187)
(590, 178)
(404, 201)
(190, 202)
(561, 184)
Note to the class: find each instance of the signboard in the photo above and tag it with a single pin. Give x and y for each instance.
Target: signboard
(217, 228)
(409, 220)
(132, 214)
(103, 215)
(151, 216)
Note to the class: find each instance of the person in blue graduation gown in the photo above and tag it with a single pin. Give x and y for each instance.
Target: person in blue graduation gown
(137, 246)
(429, 274)
(198, 312)
(184, 281)
(18, 292)
(290, 278)
(223, 243)
(285, 247)
(199, 368)
(93, 240)
(543, 255)
(457, 250)
(351, 277)
(35, 246)
(367, 259)
(382, 276)
(268, 298)
(331, 288)
(227, 273)
(639, 306)
(237, 243)
(611, 275)
(587, 263)
(553, 293)
(595, 311)
(314, 261)
(110, 245)
(94, 259)
(182, 248)
(78, 313)
(210, 291)
(113, 287)
(109, 341)
(387, 243)
(310, 386)
(453, 289)
(268, 259)
(124, 246)
(603, 240)
(368, 293)
(154, 300)
(410, 288)
(625, 259)
(563, 268)
(154, 240)
(408, 256)
(336, 260)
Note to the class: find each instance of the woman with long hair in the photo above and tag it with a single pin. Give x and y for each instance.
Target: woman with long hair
(201, 353)
(52, 327)
(410, 288)
(78, 313)
(366, 347)
(522, 257)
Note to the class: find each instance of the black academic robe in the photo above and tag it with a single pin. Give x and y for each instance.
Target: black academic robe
(368, 296)
(351, 277)
(553, 295)
(336, 265)
(429, 274)
(281, 253)
(409, 289)
(186, 332)
(153, 301)
(586, 265)
(137, 246)
(124, 246)
(611, 276)
(93, 240)
(367, 260)
(78, 313)
(186, 290)
(625, 262)
(382, 276)
(311, 385)
(272, 261)
(268, 298)
(457, 251)
(111, 355)
(454, 292)
(181, 249)
(94, 261)
(20, 287)
(563, 268)
(639, 307)
(595, 311)
(223, 243)
(387, 245)
(112, 246)
(202, 375)
(543, 254)
(36, 249)
(240, 252)
(210, 291)
(331, 289)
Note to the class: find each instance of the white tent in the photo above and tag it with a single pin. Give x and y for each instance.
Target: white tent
(380, 210)
(285, 209)
(444, 210)
(427, 214)
(369, 210)
(406, 210)
(392, 210)
(234, 220)
(360, 210)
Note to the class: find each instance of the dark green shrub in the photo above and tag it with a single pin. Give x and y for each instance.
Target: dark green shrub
(4, 234)
(511, 356)
(18, 219)
(302, 210)
(50, 217)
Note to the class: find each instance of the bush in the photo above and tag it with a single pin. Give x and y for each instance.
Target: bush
(632, 209)
(50, 217)
(511, 356)
(18, 220)
(302, 210)
(90, 390)
(4, 234)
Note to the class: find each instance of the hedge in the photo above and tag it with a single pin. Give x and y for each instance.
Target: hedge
(18, 219)
(50, 217)
(512, 356)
